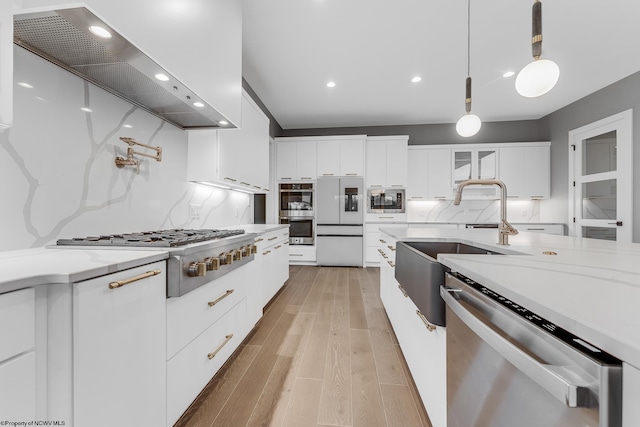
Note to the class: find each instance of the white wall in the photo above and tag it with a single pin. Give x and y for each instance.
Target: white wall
(58, 174)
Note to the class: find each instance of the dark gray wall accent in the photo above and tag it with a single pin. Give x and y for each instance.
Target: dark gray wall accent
(274, 127)
(615, 98)
(432, 134)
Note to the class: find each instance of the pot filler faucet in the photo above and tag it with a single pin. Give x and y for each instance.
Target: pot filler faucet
(504, 228)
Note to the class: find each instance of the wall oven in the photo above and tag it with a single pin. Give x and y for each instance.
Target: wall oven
(296, 207)
(385, 200)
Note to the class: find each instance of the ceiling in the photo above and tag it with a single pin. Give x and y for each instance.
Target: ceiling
(372, 48)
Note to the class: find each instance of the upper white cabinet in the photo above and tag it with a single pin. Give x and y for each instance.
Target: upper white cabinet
(439, 174)
(6, 65)
(199, 42)
(222, 156)
(295, 159)
(418, 171)
(386, 161)
(525, 170)
(340, 156)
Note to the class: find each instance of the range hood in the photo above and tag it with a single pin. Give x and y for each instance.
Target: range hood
(63, 37)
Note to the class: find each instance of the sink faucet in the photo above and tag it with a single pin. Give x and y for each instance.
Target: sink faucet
(504, 229)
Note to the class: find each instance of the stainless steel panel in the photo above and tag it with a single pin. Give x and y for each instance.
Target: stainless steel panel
(344, 230)
(328, 201)
(345, 251)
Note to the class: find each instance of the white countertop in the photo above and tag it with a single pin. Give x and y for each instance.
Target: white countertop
(590, 288)
(32, 267)
(259, 228)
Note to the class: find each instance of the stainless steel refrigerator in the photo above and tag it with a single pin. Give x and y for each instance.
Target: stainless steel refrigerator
(340, 219)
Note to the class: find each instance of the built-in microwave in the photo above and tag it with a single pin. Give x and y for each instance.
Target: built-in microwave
(385, 200)
(296, 200)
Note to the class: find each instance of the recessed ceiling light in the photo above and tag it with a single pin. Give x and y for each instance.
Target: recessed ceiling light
(162, 77)
(100, 31)
(416, 79)
(508, 74)
(331, 84)
(198, 104)
(86, 110)
(223, 122)
(127, 126)
(27, 85)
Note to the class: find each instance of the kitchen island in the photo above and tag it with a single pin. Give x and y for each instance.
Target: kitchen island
(589, 287)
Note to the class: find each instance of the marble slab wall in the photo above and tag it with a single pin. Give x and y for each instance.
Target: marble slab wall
(472, 211)
(57, 169)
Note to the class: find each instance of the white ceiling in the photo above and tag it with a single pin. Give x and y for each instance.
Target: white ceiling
(372, 49)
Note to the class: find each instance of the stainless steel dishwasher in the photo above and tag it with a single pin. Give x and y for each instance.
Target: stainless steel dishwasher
(507, 366)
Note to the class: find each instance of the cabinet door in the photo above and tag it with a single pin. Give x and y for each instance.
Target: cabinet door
(536, 170)
(328, 158)
(18, 391)
(439, 174)
(511, 172)
(376, 163)
(418, 170)
(397, 163)
(352, 158)
(306, 160)
(6, 65)
(286, 160)
(119, 353)
(630, 396)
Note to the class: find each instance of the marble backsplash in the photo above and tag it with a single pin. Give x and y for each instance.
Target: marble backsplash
(473, 211)
(58, 174)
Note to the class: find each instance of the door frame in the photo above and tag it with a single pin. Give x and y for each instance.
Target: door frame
(622, 123)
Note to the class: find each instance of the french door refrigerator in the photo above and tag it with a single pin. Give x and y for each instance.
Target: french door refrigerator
(339, 219)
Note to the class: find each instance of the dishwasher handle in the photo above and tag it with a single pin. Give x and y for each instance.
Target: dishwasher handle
(570, 394)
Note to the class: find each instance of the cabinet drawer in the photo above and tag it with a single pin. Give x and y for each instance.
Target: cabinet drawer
(190, 314)
(189, 371)
(541, 228)
(18, 391)
(17, 322)
(302, 253)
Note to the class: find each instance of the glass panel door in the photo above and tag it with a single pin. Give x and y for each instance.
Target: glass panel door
(600, 179)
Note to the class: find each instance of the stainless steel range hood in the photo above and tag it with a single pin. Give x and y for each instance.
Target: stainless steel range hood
(115, 64)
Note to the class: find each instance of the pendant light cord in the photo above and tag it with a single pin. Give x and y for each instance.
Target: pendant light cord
(468, 38)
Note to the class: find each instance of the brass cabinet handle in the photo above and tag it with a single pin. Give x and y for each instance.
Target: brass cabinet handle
(277, 247)
(430, 326)
(406, 295)
(286, 177)
(121, 283)
(260, 239)
(246, 183)
(266, 252)
(272, 238)
(391, 247)
(382, 241)
(305, 177)
(230, 179)
(215, 301)
(391, 263)
(351, 174)
(217, 350)
(285, 243)
(296, 254)
(327, 174)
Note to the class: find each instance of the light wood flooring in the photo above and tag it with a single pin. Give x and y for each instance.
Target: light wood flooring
(324, 354)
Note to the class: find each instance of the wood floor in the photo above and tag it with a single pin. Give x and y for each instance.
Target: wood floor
(324, 354)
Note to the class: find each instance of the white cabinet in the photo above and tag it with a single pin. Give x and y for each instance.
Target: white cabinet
(475, 163)
(119, 348)
(630, 396)
(423, 349)
(525, 170)
(170, 33)
(272, 263)
(418, 174)
(220, 156)
(302, 254)
(6, 65)
(386, 161)
(439, 174)
(341, 156)
(18, 356)
(372, 241)
(295, 160)
(540, 228)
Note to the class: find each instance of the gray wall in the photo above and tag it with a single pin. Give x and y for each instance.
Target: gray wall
(491, 132)
(620, 96)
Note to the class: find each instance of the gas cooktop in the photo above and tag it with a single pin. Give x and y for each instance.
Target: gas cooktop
(159, 238)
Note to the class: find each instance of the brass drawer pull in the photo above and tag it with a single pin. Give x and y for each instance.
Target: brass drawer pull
(246, 183)
(391, 263)
(226, 294)
(391, 247)
(266, 252)
(272, 238)
(278, 247)
(121, 283)
(406, 295)
(430, 326)
(230, 179)
(217, 350)
(382, 241)
(258, 240)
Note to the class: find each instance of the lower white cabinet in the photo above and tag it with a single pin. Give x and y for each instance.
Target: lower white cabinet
(372, 241)
(303, 254)
(272, 263)
(630, 396)
(540, 228)
(119, 349)
(18, 388)
(423, 349)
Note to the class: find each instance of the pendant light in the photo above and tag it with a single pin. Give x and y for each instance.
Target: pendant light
(541, 75)
(469, 124)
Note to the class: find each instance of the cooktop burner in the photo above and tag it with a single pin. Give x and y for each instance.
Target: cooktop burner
(160, 238)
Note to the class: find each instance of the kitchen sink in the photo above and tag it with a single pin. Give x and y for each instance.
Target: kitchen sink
(421, 275)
